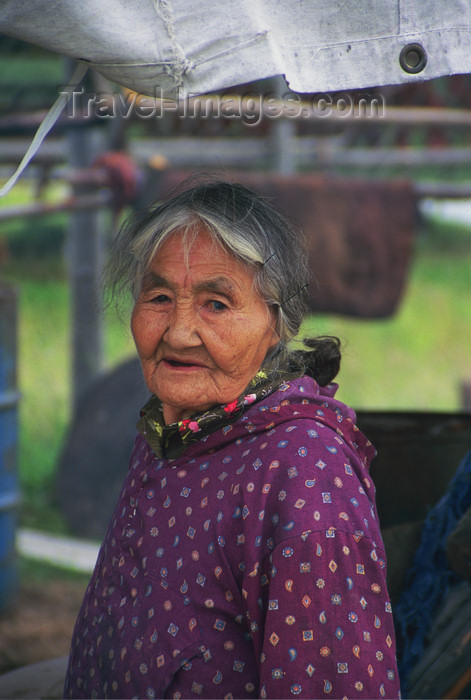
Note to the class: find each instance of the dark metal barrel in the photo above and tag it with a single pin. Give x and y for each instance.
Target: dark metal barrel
(9, 489)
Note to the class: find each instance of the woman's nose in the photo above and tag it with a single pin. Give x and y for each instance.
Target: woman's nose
(182, 329)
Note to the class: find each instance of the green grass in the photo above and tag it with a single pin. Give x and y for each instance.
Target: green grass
(40, 572)
(34, 265)
(44, 380)
(415, 360)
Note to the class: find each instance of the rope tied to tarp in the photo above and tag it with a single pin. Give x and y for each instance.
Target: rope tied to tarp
(46, 125)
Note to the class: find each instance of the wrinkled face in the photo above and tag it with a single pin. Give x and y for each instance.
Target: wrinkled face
(200, 328)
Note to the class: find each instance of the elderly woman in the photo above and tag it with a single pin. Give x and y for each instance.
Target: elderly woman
(244, 557)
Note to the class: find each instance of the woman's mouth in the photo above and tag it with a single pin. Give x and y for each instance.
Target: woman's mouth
(181, 364)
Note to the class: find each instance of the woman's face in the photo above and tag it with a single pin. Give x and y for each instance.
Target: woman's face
(200, 328)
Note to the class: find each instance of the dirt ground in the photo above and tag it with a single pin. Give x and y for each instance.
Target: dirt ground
(40, 625)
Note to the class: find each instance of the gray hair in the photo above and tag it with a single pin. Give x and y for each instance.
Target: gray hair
(240, 220)
(256, 234)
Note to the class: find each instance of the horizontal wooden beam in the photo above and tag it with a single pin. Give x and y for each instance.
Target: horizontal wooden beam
(308, 151)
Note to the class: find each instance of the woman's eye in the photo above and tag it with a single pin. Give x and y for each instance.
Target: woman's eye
(160, 299)
(216, 305)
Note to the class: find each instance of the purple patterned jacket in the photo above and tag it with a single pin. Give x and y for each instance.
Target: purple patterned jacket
(251, 566)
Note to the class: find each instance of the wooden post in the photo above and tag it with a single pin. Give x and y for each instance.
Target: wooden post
(466, 396)
(283, 135)
(84, 256)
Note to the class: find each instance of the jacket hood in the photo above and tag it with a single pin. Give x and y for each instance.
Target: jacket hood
(301, 398)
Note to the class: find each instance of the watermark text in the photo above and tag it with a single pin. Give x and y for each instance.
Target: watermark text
(250, 108)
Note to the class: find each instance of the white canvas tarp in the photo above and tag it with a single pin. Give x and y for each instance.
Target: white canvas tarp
(179, 48)
(197, 46)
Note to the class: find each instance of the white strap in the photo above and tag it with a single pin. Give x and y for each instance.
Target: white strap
(46, 125)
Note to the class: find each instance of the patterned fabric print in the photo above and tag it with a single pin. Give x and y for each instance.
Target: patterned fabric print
(328, 627)
(251, 566)
(171, 440)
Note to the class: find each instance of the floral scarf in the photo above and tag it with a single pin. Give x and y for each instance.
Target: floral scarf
(170, 440)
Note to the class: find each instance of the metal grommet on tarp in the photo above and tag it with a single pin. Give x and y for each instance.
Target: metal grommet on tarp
(413, 58)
